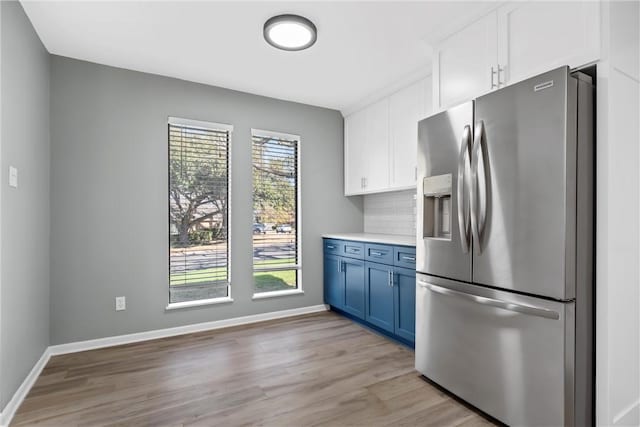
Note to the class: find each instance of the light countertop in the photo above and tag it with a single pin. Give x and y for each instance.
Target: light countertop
(387, 239)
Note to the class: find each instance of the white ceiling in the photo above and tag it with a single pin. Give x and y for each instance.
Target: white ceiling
(362, 47)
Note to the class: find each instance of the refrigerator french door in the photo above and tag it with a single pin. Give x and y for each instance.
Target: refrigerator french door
(504, 251)
(444, 228)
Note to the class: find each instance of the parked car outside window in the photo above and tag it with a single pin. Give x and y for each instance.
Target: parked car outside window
(284, 228)
(259, 228)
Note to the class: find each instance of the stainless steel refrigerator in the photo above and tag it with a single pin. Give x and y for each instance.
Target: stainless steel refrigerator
(505, 251)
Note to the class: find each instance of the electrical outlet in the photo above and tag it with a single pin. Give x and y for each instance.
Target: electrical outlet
(121, 303)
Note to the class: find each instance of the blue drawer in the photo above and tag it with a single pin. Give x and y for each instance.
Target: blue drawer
(378, 253)
(404, 256)
(352, 249)
(332, 247)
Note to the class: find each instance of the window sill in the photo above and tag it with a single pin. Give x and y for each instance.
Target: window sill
(198, 303)
(275, 294)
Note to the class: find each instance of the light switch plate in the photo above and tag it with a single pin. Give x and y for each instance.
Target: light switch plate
(13, 177)
(121, 303)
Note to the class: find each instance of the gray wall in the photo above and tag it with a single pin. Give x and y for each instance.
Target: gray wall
(109, 196)
(24, 322)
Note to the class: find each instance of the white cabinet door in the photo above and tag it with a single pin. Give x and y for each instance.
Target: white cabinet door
(428, 97)
(381, 140)
(355, 157)
(534, 37)
(376, 149)
(463, 63)
(406, 108)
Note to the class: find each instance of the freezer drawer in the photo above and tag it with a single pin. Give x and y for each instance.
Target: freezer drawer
(507, 354)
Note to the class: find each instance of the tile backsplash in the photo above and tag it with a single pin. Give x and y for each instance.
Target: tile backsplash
(390, 213)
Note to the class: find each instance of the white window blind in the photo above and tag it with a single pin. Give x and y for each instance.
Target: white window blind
(198, 212)
(276, 231)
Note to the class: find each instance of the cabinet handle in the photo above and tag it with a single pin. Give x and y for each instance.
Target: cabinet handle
(390, 279)
(330, 247)
(493, 73)
(409, 258)
(496, 71)
(375, 253)
(339, 266)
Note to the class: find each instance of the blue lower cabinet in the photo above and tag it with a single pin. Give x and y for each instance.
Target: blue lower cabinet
(333, 281)
(354, 287)
(379, 295)
(405, 303)
(379, 291)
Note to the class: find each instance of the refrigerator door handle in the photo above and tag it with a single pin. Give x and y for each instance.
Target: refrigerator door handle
(505, 305)
(463, 205)
(478, 187)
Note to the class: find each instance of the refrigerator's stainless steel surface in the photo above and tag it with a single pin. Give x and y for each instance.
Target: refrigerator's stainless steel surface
(528, 242)
(440, 140)
(515, 338)
(584, 384)
(510, 364)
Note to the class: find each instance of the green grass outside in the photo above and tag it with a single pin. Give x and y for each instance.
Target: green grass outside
(265, 281)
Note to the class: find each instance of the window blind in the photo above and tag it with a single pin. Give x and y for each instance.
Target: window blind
(275, 209)
(198, 213)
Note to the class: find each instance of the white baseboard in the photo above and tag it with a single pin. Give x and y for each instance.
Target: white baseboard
(10, 409)
(629, 416)
(180, 330)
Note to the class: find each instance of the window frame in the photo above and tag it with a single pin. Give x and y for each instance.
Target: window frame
(298, 266)
(210, 126)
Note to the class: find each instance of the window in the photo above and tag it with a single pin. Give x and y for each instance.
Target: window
(276, 222)
(198, 212)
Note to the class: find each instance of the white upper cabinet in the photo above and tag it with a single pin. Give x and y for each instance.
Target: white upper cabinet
(406, 108)
(535, 37)
(366, 160)
(514, 42)
(355, 152)
(377, 146)
(381, 141)
(463, 62)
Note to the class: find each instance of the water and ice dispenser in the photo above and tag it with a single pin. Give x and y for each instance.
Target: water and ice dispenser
(437, 207)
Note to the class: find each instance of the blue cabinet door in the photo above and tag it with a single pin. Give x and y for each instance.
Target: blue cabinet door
(379, 295)
(333, 281)
(354, 287)
(405, 303)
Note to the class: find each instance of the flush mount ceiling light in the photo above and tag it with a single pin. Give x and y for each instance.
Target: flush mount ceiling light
(290, 32)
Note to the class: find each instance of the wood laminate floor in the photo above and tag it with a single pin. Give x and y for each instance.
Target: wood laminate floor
(311, 370)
